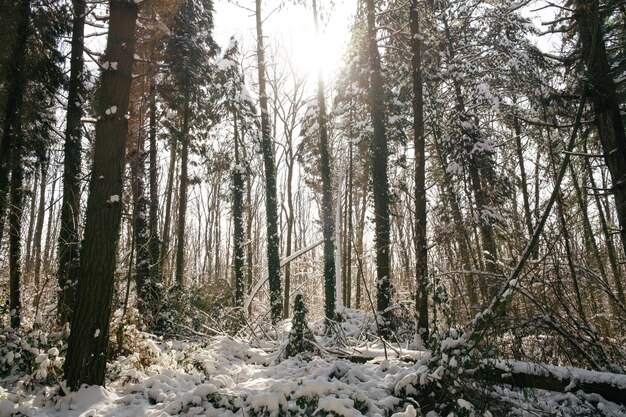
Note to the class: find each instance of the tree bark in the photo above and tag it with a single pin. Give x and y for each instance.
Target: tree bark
(327, 198)
(379, 155)
(421, 243)
(271, 201)
(141, 232)
(153, 220)
(69, 237)
(182, 199)
(238, 234)
(15, 97)
(88, 341)
(40, 217)
(167, 218)
(15, 225)
(28, 261)
(605, 102)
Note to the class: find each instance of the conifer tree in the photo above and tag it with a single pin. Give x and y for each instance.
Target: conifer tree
(68, 244)
(89, 337)
(187, 57)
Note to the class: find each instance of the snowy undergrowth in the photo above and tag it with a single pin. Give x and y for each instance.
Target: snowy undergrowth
(236, 376)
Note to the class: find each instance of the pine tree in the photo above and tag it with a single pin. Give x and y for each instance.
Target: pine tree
(187, 57)
(11, 154)
(89, 337)
(68, 244)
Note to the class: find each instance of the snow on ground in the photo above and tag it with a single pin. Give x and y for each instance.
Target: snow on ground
(226, 376)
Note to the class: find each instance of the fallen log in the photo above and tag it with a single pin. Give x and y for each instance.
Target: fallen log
(610, 386)
(519, 374)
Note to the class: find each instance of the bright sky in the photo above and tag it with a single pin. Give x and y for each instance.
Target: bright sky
(291, 26)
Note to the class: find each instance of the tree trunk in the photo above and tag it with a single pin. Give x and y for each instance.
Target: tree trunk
(359, 247)
(182, 199)
(88, 341)
(28, 261)
(15, 225)
(153, 220)
(15, 96)
(141, 232)
(350, 229)
(238, 234)
(167, 218)
(39, 226)
(51, 231)
(290, 223)
(271, 201)
(523, 178)
(421, 243)
(249, 246)
(605, 103)
(327, 198)
(380, 188)
(69, 237)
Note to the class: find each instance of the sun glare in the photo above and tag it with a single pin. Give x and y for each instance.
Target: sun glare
(310, 52)
(293, 29)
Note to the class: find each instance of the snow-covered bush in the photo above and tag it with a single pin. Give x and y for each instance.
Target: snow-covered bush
(31, 355)
(301, 339)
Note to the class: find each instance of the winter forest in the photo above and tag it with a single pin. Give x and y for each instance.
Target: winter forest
(397, 208)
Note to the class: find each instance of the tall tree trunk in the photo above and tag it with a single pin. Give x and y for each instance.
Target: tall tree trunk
(28, 261)
(605, 103)
(141, 232)
(69, 238)
(51, 231)
(358, 246)
(523, 178)
(327, 198)
(40, 217)
(15, 225)
(153, 220)
(271, 200)
(421, 243)
(164, 264)
(290, 224)
(88, 341)
(350, 228)
(15, 96)
(239, 239)
(182, 199)
(379, 154)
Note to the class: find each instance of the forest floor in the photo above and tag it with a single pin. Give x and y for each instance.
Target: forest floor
(234, 376)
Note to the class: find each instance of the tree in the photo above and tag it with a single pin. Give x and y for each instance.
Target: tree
(327, 198)
(271, 200)
(88, 341)
(190, 47)
(68, 244)
(379, 155)
(421, 244)
(605, 102)
(15, 92)
(11, 153)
